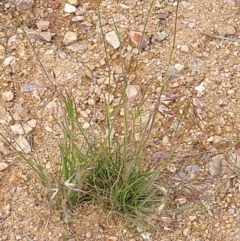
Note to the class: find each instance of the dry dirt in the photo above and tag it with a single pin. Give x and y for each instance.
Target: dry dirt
(201, 179)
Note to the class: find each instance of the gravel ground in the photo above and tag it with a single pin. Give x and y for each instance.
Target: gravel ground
(203, 175)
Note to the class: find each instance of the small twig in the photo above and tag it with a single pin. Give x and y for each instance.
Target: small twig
(221, 37)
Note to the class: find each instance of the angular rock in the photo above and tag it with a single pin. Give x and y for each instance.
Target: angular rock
(38, 35)
(78, 47)
(43, 25)
(117, 17)
(160, 36)
(112, 39)
(68, 8)
(196, 65)
(23, 145)
(3, 166)
(27, 128)
(69, 38)
(17, 129)
(226, 30)
(85, 125)
(73, 2)
(23, 5)
(235, 159)
(109, 98)
(184, 48)
(78, 19)
(32, 123)
(7, 96)
(9, 60)
(133, 92)
(4, 116)
(214, 165)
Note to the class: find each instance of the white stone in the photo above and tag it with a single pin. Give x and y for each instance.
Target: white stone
(166, 141)
(91, 102)
(68, 8)
(32, 123)
(112, 39)
(43, 25)
(109, 98)
(3, 166)
(4, 116)
(146, 235)
(69, 38)
(133, 92)
(214, 165)
(78, 19)
(23, 5)
(201, 87)
(17, 129)
(9, 60)
(27, 128)
(184, 48)
(73, 2)
(185, 4)
(23, 145)
(179, 67)
(186, 232)
(7, 95)
(85, 125)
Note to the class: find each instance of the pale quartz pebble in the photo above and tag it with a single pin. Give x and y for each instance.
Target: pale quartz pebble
(4, 116)
(146, 235)
(12, 39)
(200, 87)
(184, 48)
(69, 38)
(3, 166)
(77, 19)
(9, 60)
(23, 145)
(109, 98)
(112, 39)
(85, 125)
(112, 239)
(133, 92)
(118, 17)
(38, 35)
(186, 4)
(68, 8)
(160, 36)
(186, 232)
(166, 141)
(32, 123)
(226, 30)
(214, 165)
(7, 95)
(197, 65)
(27, 128)
(23, 5)
(73, 2)
(17, 129)
(80, 47)
(179, 67)
(43, 25)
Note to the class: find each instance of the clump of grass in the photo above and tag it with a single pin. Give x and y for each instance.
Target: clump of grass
(97, 171)
(101, 170)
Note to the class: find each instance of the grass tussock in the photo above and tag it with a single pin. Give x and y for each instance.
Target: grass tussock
(107, 171)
